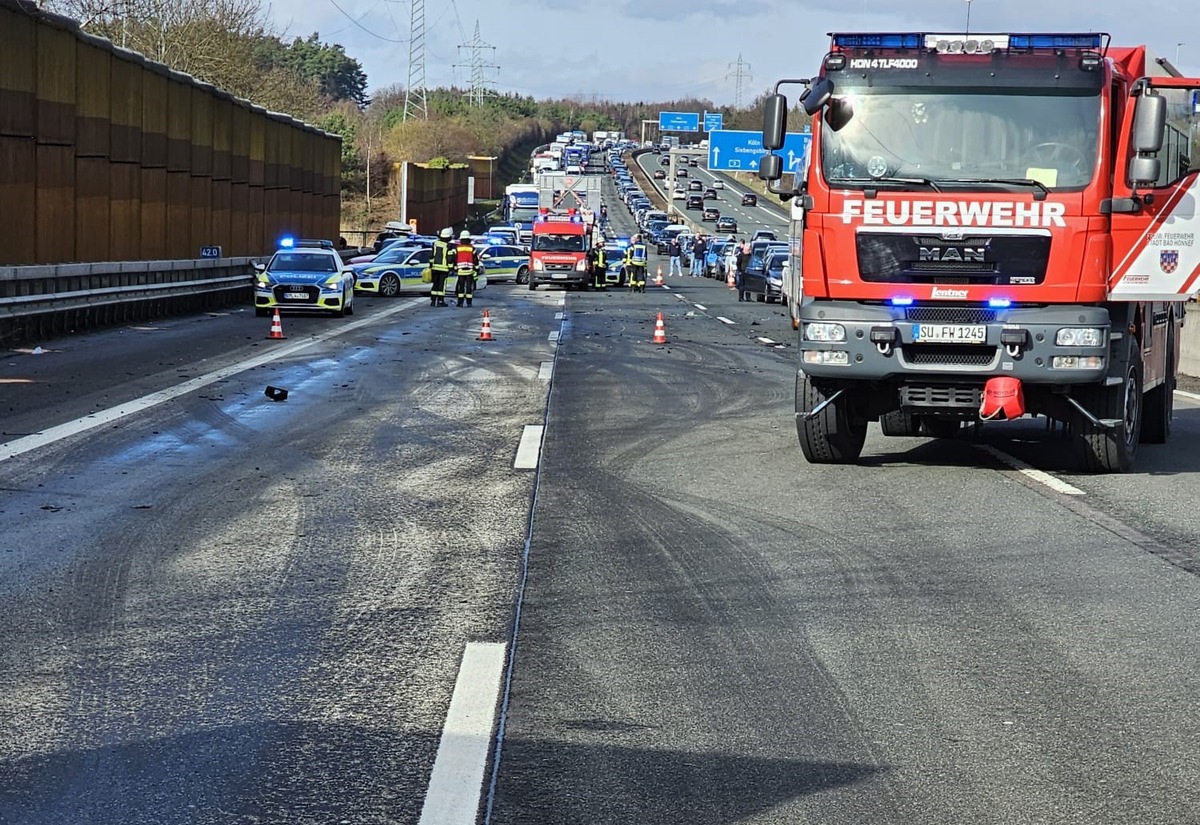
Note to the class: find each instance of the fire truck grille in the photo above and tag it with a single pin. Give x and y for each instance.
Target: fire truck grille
(560, 267)
(950, 315)
(948, 355)
(1001, 260)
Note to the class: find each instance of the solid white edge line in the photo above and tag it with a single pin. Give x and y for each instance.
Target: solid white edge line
(725, 320)
(1058, 485)
(762, 340)
(50, 435)
(701, 307)
(546, 370)
(456, 782)
(1190, 396)
(529, 450)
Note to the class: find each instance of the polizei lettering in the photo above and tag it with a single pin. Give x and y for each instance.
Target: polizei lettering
(953, 213)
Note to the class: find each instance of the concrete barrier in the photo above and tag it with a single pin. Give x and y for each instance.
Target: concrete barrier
(1189, 345)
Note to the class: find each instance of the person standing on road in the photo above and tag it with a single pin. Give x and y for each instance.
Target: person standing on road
(599, 268)
(638, 258)
(698, 249)
(676, 254)
(466, 267)
(743, 256)
(439, 268)
(731, 252)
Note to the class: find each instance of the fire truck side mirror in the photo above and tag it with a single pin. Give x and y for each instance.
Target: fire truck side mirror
(1149, 129)
(770, 167)
(817, 95)
(774, 122)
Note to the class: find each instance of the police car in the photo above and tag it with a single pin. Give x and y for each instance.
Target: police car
(397, 268)
(504, 262)
(614, 262)
(304, 275)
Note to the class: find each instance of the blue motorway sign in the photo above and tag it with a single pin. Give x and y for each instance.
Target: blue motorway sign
(713, 121)
(678, 122)
(735, 151)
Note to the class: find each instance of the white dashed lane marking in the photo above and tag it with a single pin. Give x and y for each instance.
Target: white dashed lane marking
(529, 451)
(1058, 485)
(700, 307)
(725, 320)
(456, 782)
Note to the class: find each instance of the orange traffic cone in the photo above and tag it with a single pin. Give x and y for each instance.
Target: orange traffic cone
(276, 327)
(660, 332)
(658, 277)
(731, 281)
(485, 333)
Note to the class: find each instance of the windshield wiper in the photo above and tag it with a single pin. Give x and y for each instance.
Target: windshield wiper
(1042, 193)
(868, 181)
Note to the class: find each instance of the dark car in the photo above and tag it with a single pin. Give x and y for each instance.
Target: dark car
(664, 160)
(749, 199)
(695, 186)
(726, 224)
(659, 174)
(774, 269)
(711, 213)
(695, 202)
(710, 194)
(693, 162)
(754, 278)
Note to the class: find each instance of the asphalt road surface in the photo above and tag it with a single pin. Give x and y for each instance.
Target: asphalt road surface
(223, 609)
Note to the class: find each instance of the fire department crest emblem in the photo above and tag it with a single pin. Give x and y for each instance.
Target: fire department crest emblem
(1168, 260)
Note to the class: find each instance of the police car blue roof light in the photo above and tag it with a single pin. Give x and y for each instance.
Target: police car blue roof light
(877, 41)
(999, 303)
(902, 301)
(1055, 41)
(287, 242)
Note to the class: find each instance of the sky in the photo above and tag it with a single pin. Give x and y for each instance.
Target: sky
(657, 50)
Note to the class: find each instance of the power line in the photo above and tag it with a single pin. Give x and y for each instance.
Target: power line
(361, 26)
(741, 74)
(415, 104)
(479, 83)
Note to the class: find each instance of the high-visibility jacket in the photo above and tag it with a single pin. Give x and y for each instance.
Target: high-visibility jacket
(601, 263)
(464, 258)
(637, 253)
(440, 261)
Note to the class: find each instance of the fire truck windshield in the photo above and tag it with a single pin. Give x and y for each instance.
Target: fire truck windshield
(927, 135)
(551, 242)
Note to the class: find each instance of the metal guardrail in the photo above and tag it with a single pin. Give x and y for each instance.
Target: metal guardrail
(53, 299)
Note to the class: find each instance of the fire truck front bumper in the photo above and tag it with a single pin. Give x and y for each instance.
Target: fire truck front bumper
(1061, 344)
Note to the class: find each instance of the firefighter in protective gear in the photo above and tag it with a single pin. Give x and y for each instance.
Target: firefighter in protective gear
(599, 268)
(439, 268)
(636, 258)
(466, 267)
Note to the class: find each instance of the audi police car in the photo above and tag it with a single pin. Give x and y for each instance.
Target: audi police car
(304, 275)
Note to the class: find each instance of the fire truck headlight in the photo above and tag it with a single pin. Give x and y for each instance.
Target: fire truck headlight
(537, 265)
(838, 359)
(1077, 362)
(581, 266)
(824, 332)
(1079, 337)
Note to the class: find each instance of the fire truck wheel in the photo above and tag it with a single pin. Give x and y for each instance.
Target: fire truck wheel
(1113, 449)
(833, 436)
(532, 286)
(1160, 402)
(899, 424)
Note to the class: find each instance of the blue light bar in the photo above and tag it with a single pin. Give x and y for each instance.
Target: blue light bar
(902, 301)
(999, 303)
(1054, 41)
(877, 41)
(287, 242)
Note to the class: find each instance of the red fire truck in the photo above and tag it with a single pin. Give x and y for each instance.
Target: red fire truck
(560, 251)
(993, 225)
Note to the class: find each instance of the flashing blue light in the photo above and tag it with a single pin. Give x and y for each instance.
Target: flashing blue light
(902, 301)
(1054, 41)
(623, 242)
(877, 41)
(287, 242)
(999, 303)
